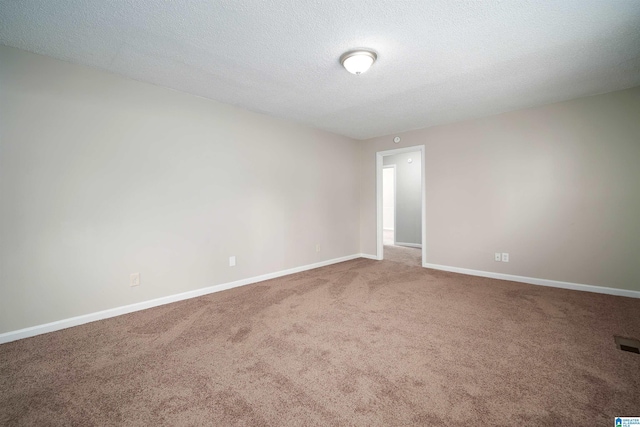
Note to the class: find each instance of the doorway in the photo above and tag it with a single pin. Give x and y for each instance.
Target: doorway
(401, 203)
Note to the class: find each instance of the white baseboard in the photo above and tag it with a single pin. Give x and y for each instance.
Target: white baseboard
(541, 282)
(411, 245)
(105, 314)
(112, 312)
(388, 229)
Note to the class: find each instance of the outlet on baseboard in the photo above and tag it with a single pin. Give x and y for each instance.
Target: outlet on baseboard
(134, 279)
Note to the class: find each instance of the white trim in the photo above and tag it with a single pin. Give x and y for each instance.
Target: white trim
(424, 207)
(379, 166)
(395, 199)
(388, 229)
(541, 282)
(411, 245)
(112, 312)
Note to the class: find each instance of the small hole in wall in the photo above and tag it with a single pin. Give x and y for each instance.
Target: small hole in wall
(630, 345)
(629, 349)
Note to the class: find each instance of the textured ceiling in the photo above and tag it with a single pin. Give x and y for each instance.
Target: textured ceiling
(438, 61)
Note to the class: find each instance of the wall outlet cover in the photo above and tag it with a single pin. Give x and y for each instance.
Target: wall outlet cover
(232, 261)
(505, 257)
(134, 279)
(498, 256)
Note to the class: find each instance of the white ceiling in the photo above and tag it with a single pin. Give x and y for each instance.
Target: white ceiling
(439, 61)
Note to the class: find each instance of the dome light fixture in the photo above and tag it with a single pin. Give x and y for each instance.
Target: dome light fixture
(358, 61)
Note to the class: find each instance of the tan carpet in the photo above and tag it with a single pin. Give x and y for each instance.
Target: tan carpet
(358, 343)
(403, 254)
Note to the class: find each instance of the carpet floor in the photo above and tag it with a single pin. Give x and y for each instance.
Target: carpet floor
(402, 254)
(362, 342)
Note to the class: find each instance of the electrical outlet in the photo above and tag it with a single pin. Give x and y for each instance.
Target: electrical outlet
(317, 248)
(505, 257)
(232, 261)
(134, 279)
(498, 257)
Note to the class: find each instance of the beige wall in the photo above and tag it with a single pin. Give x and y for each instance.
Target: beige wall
(101, 177)
(557, 187)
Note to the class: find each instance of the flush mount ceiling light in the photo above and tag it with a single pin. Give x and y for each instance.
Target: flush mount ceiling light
(358, 61)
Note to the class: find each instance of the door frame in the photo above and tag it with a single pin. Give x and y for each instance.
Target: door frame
(379, 164)
(395, 199)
